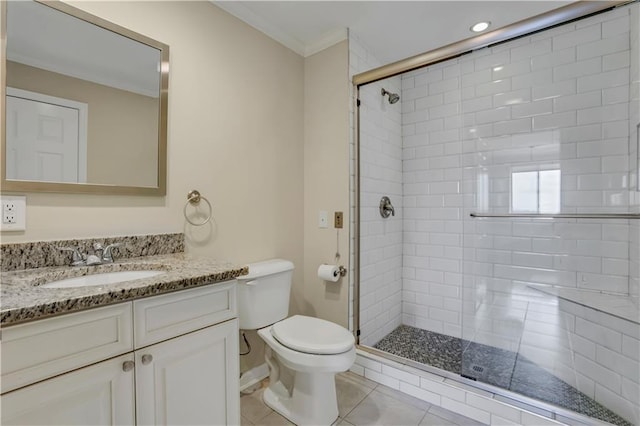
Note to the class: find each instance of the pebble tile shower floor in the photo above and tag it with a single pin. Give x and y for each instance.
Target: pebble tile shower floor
(498, 367)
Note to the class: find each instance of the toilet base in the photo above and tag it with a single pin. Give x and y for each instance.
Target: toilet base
(312, 400)
(302, 385)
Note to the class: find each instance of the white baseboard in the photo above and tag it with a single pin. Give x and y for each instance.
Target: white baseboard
(253, 376)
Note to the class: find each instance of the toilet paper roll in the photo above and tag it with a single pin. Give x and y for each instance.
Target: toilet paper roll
(329, 272)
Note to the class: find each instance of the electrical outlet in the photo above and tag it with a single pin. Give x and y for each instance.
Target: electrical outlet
(337, 220)
(14, 209)
(9, 212)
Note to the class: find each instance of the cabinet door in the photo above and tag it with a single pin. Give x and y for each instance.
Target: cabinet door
(102, 394)
(190, 380)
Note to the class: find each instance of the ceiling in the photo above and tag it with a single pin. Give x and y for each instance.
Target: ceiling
(393, 30)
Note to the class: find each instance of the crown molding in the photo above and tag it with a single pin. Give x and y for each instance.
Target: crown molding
(246, 15)
(256, 21)
(327, 40)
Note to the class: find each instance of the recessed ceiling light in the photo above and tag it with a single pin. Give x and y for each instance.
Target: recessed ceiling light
(480, 26)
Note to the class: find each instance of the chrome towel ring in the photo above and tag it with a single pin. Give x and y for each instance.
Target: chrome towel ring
(194, 198)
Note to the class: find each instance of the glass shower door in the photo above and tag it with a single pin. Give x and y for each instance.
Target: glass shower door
(548, 282)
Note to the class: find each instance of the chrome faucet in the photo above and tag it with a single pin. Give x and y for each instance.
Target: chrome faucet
(77, 259)
(99, 250)
(102, 255)
(107, 254)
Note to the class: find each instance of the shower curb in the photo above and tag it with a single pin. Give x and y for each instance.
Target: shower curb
(477, 404)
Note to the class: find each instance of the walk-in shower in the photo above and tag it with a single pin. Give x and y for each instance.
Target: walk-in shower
(512, 259)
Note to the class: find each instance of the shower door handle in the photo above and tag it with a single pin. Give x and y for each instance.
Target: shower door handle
(386, 208)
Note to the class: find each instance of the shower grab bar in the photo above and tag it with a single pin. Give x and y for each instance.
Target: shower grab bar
(561, 215)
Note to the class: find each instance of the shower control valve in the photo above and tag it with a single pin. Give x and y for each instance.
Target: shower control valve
(386, 208)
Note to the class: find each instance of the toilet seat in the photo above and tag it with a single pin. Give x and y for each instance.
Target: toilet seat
(312, 335)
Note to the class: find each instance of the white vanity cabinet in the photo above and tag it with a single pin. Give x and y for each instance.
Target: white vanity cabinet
(191, 380)
(163, 360)
(101, 394)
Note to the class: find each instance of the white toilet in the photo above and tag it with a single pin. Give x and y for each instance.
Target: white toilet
(303, 353)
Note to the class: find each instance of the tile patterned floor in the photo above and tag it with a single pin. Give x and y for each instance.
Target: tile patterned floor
(360, 402)
(498, 367)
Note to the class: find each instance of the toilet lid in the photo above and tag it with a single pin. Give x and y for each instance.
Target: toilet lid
(312, 335)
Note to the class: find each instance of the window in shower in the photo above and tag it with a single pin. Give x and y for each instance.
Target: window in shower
(536, 191)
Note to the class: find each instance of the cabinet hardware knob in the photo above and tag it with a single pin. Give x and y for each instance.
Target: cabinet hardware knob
(127, 366)
(146, 359)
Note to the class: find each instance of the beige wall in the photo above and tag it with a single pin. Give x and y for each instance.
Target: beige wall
(239, 103)
(326, 179)
(235, 134)
(122, 134)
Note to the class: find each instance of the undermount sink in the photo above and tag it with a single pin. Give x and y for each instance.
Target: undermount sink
(106, 278)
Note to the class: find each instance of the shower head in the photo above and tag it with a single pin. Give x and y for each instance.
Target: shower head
(393, 97)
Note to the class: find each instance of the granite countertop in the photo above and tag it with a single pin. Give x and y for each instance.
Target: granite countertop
(22, 299)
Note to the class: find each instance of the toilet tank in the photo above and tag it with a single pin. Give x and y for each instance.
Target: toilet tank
(263, 294)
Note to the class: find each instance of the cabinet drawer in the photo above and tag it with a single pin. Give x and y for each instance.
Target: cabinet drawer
(42, 349)
(163, 317)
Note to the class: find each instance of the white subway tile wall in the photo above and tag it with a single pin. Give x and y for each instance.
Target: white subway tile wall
(601, 358)
(380, 175)
(558, 100)
(381, 238)
(634, 151)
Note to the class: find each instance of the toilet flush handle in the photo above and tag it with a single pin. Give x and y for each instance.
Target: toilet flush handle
(252, 282)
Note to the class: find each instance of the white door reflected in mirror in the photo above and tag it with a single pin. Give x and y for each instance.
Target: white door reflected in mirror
(46, 138)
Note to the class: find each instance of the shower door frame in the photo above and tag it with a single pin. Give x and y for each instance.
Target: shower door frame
(544, 21)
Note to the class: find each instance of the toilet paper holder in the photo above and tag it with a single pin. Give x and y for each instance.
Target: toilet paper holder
(334, 271)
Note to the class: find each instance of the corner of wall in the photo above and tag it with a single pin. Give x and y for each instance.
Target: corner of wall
(326, 173)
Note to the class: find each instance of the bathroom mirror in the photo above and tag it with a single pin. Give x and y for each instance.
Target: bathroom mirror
(85, 103)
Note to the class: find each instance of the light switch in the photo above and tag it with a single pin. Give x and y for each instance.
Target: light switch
(323, 219)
